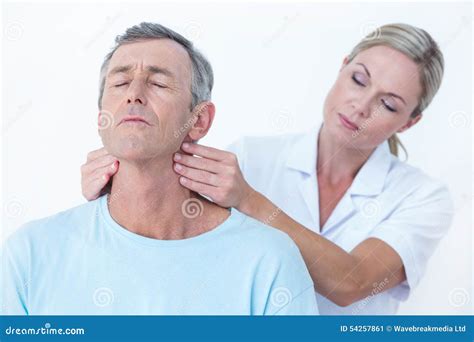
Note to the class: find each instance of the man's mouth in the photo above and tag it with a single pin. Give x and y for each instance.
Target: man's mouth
(134, 119)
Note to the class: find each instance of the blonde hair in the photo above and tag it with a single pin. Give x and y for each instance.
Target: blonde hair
(417, 44)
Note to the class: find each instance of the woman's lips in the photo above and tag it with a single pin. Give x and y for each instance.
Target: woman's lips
(347, 123)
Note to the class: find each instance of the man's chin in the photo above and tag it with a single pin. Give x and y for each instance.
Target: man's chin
(137, 154)
(135, 149)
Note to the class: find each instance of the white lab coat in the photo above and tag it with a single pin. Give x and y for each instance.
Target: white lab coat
(388, 199)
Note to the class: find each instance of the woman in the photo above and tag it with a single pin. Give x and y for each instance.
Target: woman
(365, 222)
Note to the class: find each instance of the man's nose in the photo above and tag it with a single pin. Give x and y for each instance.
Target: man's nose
(136, 93)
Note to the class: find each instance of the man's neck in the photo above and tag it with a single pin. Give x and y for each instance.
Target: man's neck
(147, 199)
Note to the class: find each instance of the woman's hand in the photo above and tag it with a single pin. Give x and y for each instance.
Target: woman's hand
(213, 173)
(96, 173)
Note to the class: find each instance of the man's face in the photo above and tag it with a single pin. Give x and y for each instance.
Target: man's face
(147, 98)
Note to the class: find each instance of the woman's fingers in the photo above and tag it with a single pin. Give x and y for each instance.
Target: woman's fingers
(92, 190)
(197, 175)
(96, 154)
(213, 173)
(97, 163)
(204, 151)
(198, 162)
(96, 172)
(203, 189)
(92, 185)
(108, 170)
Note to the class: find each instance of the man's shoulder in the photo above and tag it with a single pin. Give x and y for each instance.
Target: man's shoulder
(276, 258)
(58, 226)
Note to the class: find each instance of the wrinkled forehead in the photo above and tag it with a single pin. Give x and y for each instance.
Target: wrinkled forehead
(165, 54)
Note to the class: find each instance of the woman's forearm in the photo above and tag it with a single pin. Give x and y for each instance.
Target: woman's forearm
(331, 267)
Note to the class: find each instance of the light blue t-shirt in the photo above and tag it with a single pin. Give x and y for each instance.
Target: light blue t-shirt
(81, 262)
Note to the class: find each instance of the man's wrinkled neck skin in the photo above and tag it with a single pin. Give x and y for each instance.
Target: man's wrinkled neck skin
(146, 198)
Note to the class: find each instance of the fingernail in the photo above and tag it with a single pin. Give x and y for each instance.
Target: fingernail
(183, 180)
(177, 156)
(178, 167)
(104, 177)
(112, 166)
(185, 145)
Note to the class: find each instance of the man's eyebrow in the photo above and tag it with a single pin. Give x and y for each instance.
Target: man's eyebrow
(119, 69)
(153, 69)
(390, 94)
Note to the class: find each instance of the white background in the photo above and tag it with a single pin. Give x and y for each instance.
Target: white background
(273, 64)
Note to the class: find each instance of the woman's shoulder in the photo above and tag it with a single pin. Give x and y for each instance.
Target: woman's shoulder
(408, 179)
(269, 148)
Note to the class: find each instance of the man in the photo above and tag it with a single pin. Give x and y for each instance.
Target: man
(152, 246)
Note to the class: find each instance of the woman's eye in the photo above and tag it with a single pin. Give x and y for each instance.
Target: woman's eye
(120, 84)
(386, 105)
(356, 80)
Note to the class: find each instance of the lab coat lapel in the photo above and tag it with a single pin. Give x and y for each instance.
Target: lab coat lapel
(302, 158)
(308, 189)
(343, 210)
(368, 182)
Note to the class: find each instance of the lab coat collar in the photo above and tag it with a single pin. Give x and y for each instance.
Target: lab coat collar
(303, 154)
(369, 180)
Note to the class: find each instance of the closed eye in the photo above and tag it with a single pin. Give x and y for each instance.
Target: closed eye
(120, 85)
(388, 107)
(159, 85)
(354, 78)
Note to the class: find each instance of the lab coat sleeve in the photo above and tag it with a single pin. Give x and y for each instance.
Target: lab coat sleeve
(415, 229)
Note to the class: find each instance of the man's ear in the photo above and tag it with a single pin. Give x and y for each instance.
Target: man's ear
(411, 122)
(204, 113)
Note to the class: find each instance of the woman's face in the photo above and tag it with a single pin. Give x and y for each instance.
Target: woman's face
(372, 98)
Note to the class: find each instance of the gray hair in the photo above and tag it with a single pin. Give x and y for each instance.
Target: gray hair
(417, 44)
(202, 79)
